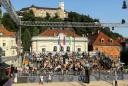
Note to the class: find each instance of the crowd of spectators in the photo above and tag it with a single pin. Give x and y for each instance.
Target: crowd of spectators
(66, 62)
(62, 63)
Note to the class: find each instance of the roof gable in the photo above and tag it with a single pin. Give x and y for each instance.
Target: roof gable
(5, 32)
(103, 39)
(56, 32)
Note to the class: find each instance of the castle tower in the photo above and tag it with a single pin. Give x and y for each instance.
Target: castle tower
(61, 4)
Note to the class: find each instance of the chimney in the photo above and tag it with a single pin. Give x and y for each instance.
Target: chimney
(98, 31)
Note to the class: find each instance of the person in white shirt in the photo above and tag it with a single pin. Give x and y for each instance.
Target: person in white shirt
(41, 79)
(49, 77)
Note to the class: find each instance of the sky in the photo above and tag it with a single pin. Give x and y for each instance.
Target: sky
(107, 11)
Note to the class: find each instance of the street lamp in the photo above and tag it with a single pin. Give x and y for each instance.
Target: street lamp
(124, 6)
(112, 28)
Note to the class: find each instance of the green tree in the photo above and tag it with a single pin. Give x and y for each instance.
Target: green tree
(26, 40)
(76, 17)
(35, 31)
(9, 23)
(28, 16)
(47, 18)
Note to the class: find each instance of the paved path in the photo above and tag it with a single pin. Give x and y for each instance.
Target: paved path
(8, 83)
(93, 83)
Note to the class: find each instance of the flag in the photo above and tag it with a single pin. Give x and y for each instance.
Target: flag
(59, 40)
(70, 40)
(64, 41)
(74, 43)
(74, 39)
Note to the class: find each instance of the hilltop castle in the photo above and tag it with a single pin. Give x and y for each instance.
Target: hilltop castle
(43, 11)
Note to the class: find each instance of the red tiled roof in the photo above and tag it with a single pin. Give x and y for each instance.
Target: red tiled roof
(5, 32)
(120, 40)
(106, 41)
(53, 32)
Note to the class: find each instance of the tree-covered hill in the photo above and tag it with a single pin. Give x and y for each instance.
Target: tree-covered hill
(28, 32)
(76, 17)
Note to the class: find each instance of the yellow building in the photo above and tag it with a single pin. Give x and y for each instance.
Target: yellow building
(42, 11)
(8, 44)
(106, 45)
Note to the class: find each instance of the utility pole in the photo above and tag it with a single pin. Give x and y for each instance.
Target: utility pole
(116, 76)
(0, 55)
(0, 13)
(19, 47)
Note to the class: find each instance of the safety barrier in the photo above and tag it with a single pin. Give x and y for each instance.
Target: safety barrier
(55, 77)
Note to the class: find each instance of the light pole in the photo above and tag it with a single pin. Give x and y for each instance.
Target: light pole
(116, 76)
(19, 59)
(0, 54)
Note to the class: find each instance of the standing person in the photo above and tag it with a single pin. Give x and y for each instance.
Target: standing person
(49, 78)
(15, 75)
(41, 79)
(12, 71)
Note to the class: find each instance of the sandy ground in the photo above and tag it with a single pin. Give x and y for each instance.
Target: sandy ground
(92, 83)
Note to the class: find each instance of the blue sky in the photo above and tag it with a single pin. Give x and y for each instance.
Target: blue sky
(107, 11)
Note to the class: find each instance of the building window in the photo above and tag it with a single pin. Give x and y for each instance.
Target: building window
(4, 44)
(110, 40)
(1, 34)
(68, 48)
(79, 49)
(43, 49)
(96, 48)
(13, 52)
(55, 48)
(102, 40)
(61, 48)
(3, 53)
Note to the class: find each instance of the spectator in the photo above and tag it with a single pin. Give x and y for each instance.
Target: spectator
(15, 75)
(41, 79)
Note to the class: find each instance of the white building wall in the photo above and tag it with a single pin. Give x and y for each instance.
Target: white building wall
(8, 44)
(48, 43)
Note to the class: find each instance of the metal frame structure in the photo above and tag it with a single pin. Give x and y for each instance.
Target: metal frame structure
(71, 24)
(10, 9)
